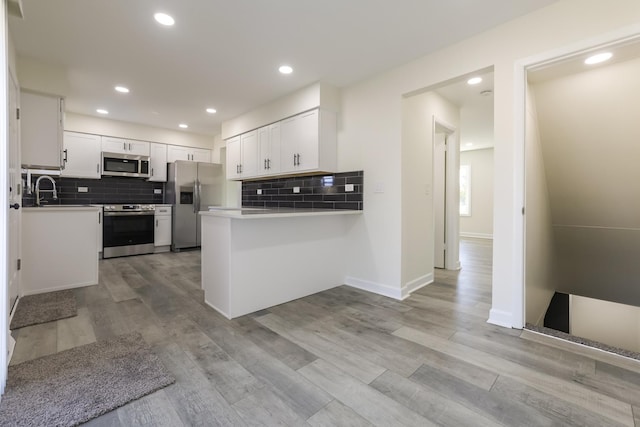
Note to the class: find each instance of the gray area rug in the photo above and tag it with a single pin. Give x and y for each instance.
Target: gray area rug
(76, 385)
(42, 308)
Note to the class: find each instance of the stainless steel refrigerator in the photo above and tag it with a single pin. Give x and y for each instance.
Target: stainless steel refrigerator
(192, 187)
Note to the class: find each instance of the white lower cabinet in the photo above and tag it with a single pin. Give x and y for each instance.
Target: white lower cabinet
(162, 235)
(82, 155)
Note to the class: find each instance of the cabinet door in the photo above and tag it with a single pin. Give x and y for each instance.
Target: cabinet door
(289, 135)
(175, 152)
(139, 148)
(201, 155)
(233, 158)
(269, 150)
(162, 234)
(158, 162)
(40, 130)
(114, 145)
(308, 141)
(249, 154)
(82, 154)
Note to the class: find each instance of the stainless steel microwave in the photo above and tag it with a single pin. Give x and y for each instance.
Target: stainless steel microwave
(118, 164)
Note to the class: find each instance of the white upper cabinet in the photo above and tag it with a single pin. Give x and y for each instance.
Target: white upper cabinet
(308, 142)
(242, 156)
(300, 144)
(269, 150)
(234, 158)
(82, 155)
(190, 154)
(41, 125)
(158, 162)
(125, 146)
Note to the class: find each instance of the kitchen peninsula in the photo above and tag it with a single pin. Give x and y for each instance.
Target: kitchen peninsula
(253, 259)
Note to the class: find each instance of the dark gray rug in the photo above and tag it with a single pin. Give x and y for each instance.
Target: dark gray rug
(76, 385)
(42, 308)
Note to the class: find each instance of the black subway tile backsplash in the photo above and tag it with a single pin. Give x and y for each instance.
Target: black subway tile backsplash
(100, 191)
(325, 191)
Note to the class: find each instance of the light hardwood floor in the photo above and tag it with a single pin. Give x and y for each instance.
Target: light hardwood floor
(343, 357)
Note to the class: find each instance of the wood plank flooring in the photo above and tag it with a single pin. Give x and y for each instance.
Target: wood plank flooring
(343, 357)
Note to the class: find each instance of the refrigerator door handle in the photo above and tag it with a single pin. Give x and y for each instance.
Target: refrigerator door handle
(196, 202)
(199, 184)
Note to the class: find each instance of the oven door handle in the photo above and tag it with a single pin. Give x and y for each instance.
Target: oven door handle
(150, 213)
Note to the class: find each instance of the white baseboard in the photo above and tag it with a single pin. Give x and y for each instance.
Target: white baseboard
(500, 318)
(217, 309)
(58, 288)
(476, 235)
(376, 288)
(389, 291)
(416, 284)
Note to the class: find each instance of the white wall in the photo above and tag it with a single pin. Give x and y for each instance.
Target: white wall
(480, 222)
(617, 325)
(540, 258)
(418, 112)
(99, 126)
(370, 137)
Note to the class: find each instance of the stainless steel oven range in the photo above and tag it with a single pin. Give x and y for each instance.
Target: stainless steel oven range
(128, 230)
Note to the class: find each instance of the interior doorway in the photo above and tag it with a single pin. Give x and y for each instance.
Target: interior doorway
(442, 192)
(581, 233)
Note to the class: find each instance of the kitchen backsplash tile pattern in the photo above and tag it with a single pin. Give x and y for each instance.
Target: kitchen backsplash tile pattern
(326, 191)
(99, 191)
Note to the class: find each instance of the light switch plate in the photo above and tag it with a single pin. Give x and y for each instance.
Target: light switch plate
(379, 187)
(348, 187)
(83, 189)
(259, 191)
(296, 189)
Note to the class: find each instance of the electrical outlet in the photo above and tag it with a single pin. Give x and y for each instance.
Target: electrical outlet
(157, 191)
(259, 191)
(379, 187)
(348, 187)
(296, 189)
(83, 189)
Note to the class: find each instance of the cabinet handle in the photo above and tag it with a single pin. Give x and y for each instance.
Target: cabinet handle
(98, 168)
(151, 171)
(124, 146)
(156, 223)
(99, 217)
(265, 163)
(129, 146)
(240, 167)
(268, 163)
(294, 160)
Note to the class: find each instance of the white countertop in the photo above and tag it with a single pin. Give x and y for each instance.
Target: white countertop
(258, 213)
(62, 208)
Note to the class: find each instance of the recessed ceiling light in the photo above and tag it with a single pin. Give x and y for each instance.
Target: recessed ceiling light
(122, 89)
(285, 69)
(183, 125)
(211, 110)
(474, 80)
(600, 57)
(164, 19)
(102, 111)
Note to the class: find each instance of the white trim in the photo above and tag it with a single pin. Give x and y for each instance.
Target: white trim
(58, 288)
(476, 235)
(4, 200)
(376, 288)
(622, 35)
(390, 291)
(416, 284)
(217, 309)
(500, 318)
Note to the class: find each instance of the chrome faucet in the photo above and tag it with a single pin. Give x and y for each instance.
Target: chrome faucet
(55, 193)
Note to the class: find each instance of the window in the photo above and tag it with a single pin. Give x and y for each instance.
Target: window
(465, 190)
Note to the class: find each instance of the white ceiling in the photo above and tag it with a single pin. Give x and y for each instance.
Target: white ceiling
(225, 54)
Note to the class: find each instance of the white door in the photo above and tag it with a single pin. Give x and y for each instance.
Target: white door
(201, 155)
(82, 155)
(439, 198)
(308, 143)
(234, 158)
(15, 194)
(249, 164)
(158, 162)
